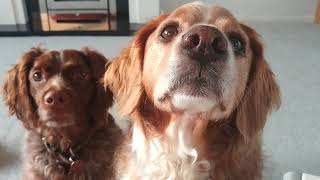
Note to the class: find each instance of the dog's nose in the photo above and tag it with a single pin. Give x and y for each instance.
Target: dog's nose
(204, 43)
(57, 98)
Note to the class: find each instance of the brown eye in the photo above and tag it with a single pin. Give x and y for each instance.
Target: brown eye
(83, 75)
(237, 44)
(80, 75)
(37, 76)
(169, 32)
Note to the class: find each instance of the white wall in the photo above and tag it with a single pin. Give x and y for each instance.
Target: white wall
(258, 9)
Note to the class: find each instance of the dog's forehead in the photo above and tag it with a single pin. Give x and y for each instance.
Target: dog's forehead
(47, 59)
(72, 57)
(60, 59)
(198, 13)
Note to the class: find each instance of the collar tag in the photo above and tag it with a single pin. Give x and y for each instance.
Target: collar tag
(77, 167)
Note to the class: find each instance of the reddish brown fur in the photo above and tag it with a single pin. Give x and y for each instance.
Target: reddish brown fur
(232, 144)
(129, 84)
(16, 93)
(105, 135)
(262, 93)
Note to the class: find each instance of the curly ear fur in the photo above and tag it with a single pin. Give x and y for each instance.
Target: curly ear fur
(102, 99)
(16, 89)
(262, 94)
(124, 74)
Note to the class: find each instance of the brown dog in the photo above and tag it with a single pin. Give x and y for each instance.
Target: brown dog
(198, 90)
(58, 97)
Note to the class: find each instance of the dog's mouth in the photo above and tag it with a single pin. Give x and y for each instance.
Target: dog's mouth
(189, 84)
(55, 124)
(193, 94)
(199, 87)
(56, 118)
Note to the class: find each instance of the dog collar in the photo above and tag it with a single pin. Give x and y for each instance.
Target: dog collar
(68, 159)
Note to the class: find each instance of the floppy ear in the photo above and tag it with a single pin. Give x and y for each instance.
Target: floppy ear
(262, 93)
(124, 74)
(102, 99)
(16, 89)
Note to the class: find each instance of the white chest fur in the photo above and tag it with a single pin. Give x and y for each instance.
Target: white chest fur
(170, 157)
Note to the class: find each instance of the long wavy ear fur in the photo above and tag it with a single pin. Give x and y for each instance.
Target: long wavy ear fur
(16, 89)
(102, 99)
(262, 94)
(124, 74)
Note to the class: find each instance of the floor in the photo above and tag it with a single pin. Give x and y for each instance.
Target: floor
(292, 134)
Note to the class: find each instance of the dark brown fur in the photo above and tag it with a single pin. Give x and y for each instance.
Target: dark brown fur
(24, 99)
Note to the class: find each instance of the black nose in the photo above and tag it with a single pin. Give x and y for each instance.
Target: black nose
(204, 43)
(57, 98)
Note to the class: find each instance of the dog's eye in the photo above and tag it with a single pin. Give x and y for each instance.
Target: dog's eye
(169, 32)
(80, 75)
(83, 75)
(37, 76)
(237, 44)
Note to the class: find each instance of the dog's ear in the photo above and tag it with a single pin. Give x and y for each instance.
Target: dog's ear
(124, 74)
(262, 94)
(103, 98)
(16, 89)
